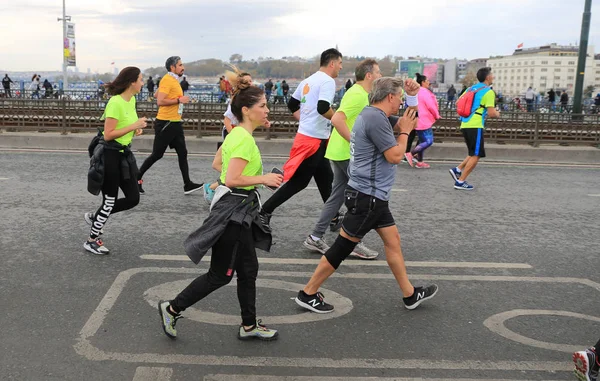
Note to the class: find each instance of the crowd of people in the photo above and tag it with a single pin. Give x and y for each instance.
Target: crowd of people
(353, 164)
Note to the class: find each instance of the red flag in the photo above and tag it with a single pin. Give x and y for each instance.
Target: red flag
(520, 46)
(112, 63)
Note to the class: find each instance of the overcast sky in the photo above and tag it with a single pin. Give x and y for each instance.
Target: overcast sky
(145, 32)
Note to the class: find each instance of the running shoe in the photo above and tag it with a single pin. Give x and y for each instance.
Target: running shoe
(168, 320)
(208, 193)
(257, 331)
(586, 368)
(96, 247)
(318, 245)
(420, 295)
(363, 252)
(422, 165)
(455, 173)
(140, 189)
(409, 159)
(89, 219)
(315, 303)
(336, 222)
(463, 186)
(191, 187)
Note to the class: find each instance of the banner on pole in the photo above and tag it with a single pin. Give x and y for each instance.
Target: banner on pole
(69, 45)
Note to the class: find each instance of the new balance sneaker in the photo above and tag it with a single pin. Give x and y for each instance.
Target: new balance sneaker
(409, 159)
(318, 245)
(363, 252)
(336, 222)
(314, 303)
(463, 186)
(455, 173)
(96, 247)
(208, 193)
(191, 187)
(420, 295)
(168, 320)
(89, 219)
(140, 189)
(586, 368)
(257, 331)
(422, 165)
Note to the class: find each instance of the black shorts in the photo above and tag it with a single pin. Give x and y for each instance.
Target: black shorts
(167, 133)
(474, 140)
(365, 213)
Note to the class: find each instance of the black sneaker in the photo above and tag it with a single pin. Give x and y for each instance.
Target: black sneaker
(336, 222)
(265, 220)
(315, 303)
(140, 189)
(191, 187)
(420, 295)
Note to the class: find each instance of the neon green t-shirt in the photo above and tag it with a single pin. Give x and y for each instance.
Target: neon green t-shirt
(239, 143)
(353, 102)
(477, 121)
(125, 114)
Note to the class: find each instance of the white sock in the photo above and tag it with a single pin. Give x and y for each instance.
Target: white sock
(315, 238)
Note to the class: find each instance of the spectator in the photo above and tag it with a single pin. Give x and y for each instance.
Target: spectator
(184, 85)
(564, 102)
(222, 89)
(348, 84)
(286, 89)
(268, 89)
(47, 88)
(462, 91)
(451, 95)
(529, 98)
(597, 104)
(552, 99)
(278, 93)
(150, 87)
(35, 86)
(6, 81)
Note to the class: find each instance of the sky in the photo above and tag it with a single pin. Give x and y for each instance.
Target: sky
(144, 33)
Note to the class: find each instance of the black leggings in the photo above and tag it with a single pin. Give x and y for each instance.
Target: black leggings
(229, 255)
(168, 134)
(114, 178)
(316, 166)
(410, 140)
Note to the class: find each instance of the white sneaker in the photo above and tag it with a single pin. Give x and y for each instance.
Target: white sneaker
(363, 252)
(316, 245)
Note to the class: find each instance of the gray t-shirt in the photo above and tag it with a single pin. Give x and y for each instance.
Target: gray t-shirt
(369, 171)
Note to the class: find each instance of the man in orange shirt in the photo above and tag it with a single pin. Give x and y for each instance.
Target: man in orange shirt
(168, 127)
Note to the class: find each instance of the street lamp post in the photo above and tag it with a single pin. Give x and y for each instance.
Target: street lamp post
(64, 20)
(583, 46)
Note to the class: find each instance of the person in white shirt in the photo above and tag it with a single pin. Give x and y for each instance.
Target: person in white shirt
(311, 106)
(529, 98)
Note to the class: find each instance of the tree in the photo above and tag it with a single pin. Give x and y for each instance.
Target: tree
(235, 58)
(469, 80)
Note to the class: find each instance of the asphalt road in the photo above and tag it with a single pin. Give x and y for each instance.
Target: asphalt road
(516, 261)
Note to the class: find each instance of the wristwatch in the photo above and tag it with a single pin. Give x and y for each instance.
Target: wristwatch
(178, 101)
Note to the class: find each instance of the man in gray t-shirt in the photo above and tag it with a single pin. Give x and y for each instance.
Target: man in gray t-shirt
(374, 153)
(370, 172)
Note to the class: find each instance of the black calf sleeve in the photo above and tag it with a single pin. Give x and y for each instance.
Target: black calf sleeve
(340, 250)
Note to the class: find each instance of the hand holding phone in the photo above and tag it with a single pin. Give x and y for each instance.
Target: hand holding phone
(276, 180)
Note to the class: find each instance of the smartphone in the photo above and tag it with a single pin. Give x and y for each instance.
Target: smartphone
(277, 171)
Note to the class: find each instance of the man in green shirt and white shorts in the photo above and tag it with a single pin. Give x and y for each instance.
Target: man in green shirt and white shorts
(338, 153)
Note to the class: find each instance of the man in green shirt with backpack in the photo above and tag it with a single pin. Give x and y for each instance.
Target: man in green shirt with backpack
(474, 106)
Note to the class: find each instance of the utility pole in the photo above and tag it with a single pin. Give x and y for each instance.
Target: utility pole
(64, 20)
(583, 46)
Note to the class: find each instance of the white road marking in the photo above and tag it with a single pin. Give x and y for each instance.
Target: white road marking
(243, 377)
(303, 261)
(4, 178)
(495, 324)
(143, 373)
(166, 291)
(594, 195)
(85, 348)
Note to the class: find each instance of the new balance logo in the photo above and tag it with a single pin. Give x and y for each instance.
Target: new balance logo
(315, 302)
(420, 295)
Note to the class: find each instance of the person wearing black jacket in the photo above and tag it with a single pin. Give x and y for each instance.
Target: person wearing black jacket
(185, 85)
(150, 87)
(552, 99)
(6, 81)
(112, 159)
(564, 102)
(286, 89)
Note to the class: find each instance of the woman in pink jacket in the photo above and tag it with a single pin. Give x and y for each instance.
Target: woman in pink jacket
(428, 114)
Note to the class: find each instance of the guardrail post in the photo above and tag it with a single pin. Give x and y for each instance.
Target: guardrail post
(64, 116)
(536, 131)
(199, 124)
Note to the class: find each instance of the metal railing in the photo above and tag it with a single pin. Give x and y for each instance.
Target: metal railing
(201, 119)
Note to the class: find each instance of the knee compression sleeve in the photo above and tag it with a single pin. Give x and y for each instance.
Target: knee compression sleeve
(340, 250)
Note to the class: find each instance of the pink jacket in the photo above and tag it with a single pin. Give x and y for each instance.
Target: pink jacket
(428, 109)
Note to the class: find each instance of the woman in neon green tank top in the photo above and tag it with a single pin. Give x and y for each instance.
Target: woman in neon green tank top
(121, 123)
(233, 242)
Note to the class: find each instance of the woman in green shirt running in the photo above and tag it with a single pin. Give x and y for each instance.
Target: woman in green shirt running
(121, 123)
(233, 227)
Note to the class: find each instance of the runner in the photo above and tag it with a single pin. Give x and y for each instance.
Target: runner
(311, 105)
(587, 363)
(168, 127)
(120, 170)
(233, 229)
(374, 156)
(338, 153)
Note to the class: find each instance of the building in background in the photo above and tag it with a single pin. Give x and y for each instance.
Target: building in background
(543, 68)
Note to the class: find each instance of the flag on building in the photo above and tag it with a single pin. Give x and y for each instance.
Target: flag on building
(520, 46)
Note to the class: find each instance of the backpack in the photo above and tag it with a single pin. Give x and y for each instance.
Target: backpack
(464, 105)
